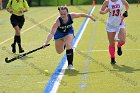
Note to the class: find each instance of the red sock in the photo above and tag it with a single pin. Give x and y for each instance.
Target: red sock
(120, 44)
(112, 51)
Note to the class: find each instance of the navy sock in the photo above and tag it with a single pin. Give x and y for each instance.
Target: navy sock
(15, 40)
(69, 54)
(19, 41)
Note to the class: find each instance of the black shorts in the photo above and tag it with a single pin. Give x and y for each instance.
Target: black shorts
(17, 20)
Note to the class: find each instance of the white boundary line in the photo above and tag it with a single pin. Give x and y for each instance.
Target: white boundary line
(107, 50)
(29, 28)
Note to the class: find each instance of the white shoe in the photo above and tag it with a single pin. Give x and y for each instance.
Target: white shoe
(70, 67)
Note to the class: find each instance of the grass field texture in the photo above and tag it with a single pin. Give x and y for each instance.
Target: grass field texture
(93, 72)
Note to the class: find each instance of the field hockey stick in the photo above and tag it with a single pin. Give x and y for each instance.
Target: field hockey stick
(117, 32)
(22, 55)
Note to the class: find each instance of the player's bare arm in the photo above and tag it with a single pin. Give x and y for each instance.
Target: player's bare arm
(77, 15)
(52, 32)
(104, 8)
(8, 8)
(125, 4)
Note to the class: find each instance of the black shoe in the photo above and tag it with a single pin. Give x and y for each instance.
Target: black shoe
(21, 50)
(13, 48)
(113, 61)
(119, 51)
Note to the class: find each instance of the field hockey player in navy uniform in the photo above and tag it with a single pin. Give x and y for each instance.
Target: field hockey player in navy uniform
(63, 33)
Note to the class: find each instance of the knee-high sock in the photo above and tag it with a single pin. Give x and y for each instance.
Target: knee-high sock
(19, 41)
(69, 56)
(112, 51)
(15, 40)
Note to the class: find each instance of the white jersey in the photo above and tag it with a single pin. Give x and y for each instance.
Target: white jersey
(115, 13)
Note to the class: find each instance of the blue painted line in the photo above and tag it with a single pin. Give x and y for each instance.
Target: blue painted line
(53, 78)
(78, 33)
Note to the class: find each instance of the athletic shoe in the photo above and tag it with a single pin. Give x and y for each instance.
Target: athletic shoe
(113, 61)
(21, 50)
(70, 67)
(119, 51)
(13, 48)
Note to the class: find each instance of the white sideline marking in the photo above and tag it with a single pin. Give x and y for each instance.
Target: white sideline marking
(107, 50)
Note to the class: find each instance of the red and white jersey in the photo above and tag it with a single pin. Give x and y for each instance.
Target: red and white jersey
(115, 12)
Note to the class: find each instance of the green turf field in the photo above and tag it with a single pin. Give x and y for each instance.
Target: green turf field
(93, 72)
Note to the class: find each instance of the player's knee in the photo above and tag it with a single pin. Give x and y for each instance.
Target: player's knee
(122, 42)
(17, 33)
(112, 44)
(68, 46)
(59, 51)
